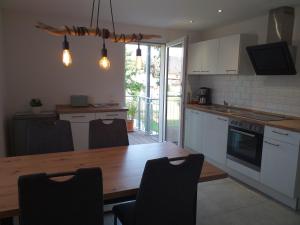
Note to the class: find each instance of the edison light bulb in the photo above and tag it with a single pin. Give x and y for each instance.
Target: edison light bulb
(104, 63)
(67, 58)
(139, 62)
(139, 59)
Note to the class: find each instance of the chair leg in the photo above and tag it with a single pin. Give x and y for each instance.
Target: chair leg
(115, 220)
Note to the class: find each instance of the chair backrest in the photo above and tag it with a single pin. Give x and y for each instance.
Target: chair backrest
(76, 201)
(49, 136)
(168, 193)
(108, 133)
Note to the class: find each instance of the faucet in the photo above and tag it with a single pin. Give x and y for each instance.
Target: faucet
(226, 103)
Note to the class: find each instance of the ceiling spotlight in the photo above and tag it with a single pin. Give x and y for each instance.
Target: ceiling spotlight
(220, 10)
(191, 21)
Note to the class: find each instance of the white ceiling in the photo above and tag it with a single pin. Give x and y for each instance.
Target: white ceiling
(156, 13)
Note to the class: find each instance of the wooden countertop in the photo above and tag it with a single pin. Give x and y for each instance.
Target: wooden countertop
(67, 109)
(289, 123)
(292, 125)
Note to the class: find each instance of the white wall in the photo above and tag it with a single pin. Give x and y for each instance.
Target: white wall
(279, 94)
(34, 68)
(2, 93)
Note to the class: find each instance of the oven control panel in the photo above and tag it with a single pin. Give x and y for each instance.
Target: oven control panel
(257, 128)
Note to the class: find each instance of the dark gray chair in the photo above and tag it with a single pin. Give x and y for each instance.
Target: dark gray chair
(75, 201)
(167, 194)
(49, 137)
(108, 133)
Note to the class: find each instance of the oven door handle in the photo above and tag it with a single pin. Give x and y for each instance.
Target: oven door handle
(241, 132)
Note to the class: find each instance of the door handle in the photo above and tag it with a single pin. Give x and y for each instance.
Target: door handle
(242, 132)
(269, 143)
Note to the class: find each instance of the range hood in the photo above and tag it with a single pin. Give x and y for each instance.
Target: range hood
(277, 56)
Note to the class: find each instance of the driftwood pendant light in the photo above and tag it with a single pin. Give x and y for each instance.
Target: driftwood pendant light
(95, 31)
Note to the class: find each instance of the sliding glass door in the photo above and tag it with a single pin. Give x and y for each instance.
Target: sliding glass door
(143, 85)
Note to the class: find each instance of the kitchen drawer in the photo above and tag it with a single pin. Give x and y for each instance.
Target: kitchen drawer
(78, 117)
(111, 115)
(282, 135)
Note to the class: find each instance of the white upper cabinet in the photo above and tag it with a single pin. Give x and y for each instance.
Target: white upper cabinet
(226, 55)
(229, 55)
(210, 56)
(203, 57)
(195, 58)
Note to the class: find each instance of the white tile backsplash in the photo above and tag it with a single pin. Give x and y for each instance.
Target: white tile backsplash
(277, 94)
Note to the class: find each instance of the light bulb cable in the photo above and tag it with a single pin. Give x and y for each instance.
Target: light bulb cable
(66, 45)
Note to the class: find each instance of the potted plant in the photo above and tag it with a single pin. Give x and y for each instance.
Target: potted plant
(36, 105)
(132, 108)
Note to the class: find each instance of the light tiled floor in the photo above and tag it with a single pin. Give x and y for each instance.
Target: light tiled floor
(227, 202)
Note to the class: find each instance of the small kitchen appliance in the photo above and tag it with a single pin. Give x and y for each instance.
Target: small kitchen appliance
(204, 96)
(79, 101)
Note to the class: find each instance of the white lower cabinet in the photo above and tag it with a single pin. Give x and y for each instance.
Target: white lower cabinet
(111, 115)
(280, 162)
(193, 117)
(80, 124)
(215, 137)
(280, 166)
(80, 133)
(206, 133)
(80, 128)
(194, 129)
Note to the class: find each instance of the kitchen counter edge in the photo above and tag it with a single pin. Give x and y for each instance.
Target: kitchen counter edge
(291, 123)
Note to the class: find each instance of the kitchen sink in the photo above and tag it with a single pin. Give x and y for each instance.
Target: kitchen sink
(226, 109)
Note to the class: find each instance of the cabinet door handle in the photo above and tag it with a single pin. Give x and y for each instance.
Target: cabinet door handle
(78, 116)
(280, 133)
(205, 71)
(269, 143)
(230, 70)
(219, 118)
(112, 115)
(194, 71)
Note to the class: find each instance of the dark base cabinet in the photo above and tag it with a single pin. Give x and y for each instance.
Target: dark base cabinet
(6, 221)
(19, 131)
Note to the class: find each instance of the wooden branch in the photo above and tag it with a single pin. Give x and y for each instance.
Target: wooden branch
(84, 31)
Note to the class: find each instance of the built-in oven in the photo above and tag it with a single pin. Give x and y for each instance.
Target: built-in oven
(245, 141)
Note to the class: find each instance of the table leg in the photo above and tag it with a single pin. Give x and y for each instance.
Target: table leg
(6, 221)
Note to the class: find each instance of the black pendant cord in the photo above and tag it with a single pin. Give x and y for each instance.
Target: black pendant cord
(112, 20)
(98, 14)
(92, 15)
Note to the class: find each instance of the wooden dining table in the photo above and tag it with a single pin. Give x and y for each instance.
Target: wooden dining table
(122, 169)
